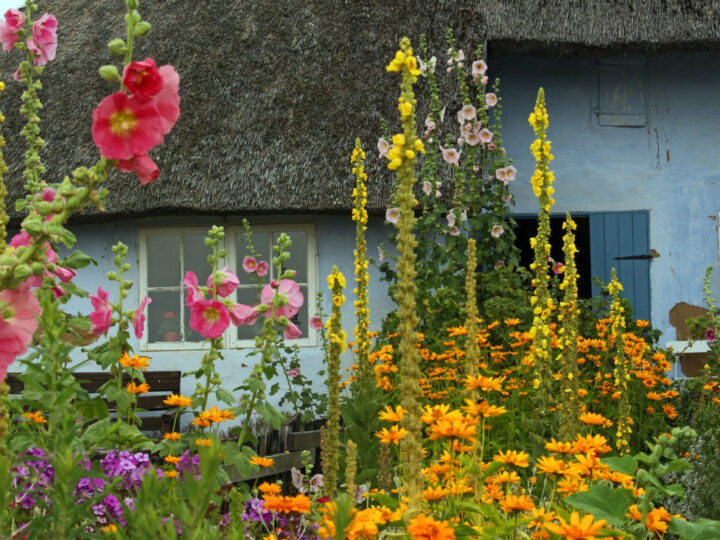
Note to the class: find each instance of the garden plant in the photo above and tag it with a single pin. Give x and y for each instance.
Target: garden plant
(493, 403)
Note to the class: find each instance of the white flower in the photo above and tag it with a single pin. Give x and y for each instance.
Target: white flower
(497, 231)
(392, 215)
(383, 147)
(490, 100)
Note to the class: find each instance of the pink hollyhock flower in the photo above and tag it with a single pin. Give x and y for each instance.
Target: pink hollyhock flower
(21, 309)
(392, 215)
(317, 482)
(43, 42)
(209, 318)
(65, 274)
(141, 164)
(558, 268)
(241, 314)
(227, 282)
(484, 79)
(453, 231)
(262, 268)
(193, 292)
(383, 147)
(291, 331)
(294, 372)
(510, 173)
(463, 216)
(472, 138)
(316, 322)
(498, 264)
(479, 68)
(497, 231)
(451, 219)
(427, 188)
(490, 100)
(507, 198)
(466, 114)
(250, 265)
(501, 174)
(710, 334)
(101, 317)
(168, 99)
(381, 258)
(138, 320)
(293, 298)
(451, 156)
(10, 28)
(142, 79)
(124, 127)
(485, 135)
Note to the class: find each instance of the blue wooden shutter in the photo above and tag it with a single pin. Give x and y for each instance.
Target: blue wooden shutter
(622, 234)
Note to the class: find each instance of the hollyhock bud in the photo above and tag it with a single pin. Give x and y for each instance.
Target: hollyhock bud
(109, 73)
(117, 46)
(142, 79)
(142, 28)
(274, 283)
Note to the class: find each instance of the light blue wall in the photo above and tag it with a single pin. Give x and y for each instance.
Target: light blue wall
(671, 167)
(335, 243)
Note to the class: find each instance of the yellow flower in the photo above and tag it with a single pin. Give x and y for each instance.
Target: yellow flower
(136, 362)
(177, 400)
(512, 457)
(262, 461)
(174, 436)
(135, 388)
(578, 528)
(203, 442)
(390, 415)
(170, 474)
(516, 503)
(172, 459)
(36, 417)
(393, 435)
(273, 489)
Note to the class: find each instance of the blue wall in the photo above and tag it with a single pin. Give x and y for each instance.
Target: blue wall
(671, 167)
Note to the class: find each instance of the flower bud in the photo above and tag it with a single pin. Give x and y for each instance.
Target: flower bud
(112, 276)
(133, 17)
(274, 284)
(117, 46)
(22, 272)
(33, 225)
(109, 73)
(132, 4)
(142, 28)
(37, 268)
(43, 208)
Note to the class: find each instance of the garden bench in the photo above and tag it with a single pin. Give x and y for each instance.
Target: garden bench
(162, 384)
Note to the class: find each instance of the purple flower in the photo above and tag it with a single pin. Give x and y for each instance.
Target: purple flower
(189, 465)
(710, 334)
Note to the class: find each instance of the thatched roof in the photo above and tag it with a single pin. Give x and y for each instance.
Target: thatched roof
(274, 93)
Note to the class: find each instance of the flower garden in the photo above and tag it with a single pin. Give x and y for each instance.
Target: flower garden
(492, 403)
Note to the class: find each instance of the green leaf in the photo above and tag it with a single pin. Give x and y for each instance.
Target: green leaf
(225, 396)
(270, 413)
(603, 502)
(625, 464)
(702, 529)
(78, 259)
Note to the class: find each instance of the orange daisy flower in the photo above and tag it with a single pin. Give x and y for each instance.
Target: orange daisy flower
(262, 461)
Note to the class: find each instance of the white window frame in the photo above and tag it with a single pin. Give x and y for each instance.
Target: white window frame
(230, 339)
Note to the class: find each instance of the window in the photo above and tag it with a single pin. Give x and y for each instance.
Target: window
(620, 97)
(167, 254)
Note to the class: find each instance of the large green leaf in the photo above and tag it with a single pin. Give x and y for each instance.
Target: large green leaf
(702, 529)
(603, 502)
(624, 464)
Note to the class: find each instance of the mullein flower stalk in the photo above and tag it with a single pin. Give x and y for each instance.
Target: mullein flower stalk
(402, 157)
(338, 342)
(621, 374)
(360, 217)
(568, 323)
(472, 352)
(541, 301)
(350, 468)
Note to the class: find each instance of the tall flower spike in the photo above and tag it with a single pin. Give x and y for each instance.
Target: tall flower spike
(338, 340)
(620, 373)
(541, 301)
(568, 322)
(360, 217)
(472, 352)
(402, 159)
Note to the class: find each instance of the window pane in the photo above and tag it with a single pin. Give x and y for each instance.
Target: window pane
(163, 261)
(249, 297)
(261, 243)
(195, 256)
(190, 334)
(298, 254)
(163, 321)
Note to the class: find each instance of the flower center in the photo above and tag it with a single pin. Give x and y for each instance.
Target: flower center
(122, 122)
(212, 314)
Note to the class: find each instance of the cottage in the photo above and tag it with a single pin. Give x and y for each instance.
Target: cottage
(274, 94)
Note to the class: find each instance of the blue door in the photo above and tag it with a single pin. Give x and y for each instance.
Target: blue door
(621, 240)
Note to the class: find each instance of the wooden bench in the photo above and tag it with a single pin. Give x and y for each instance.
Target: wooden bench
(162, 384)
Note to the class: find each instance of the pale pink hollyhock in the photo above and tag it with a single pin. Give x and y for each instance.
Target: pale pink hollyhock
(490, 100)
(499, 264)
(101, 317)
(262, 268)
(558, 268)
(463, 216)
(510, 173)
(451, 156)
(453, 231)
(381, 255)
(485, 135)
(141, 164)
(467, 113)
(142, 79)
(294, 372)
(451, 218)
(168, 99)
(193, 292)
(392, 215)
(438, 194)
(460, 141)
(249, 265)
(497, 231)
(138, 320)
(484, 79)
(316, 323)
(10, 28)
(501, 174)
(124, 127)
(297, 480)
(492, 146)
(21, 309)
(241, 314)
(317, 482)
(291, 331)
(479, 68)
(209, 318)
(43, 42)
(507, 198)
(227, 282)
(472, 138)
(383, 147)
(460, 56)
(293, 298)
(476, 168)
(438, 185)
(427, 188)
